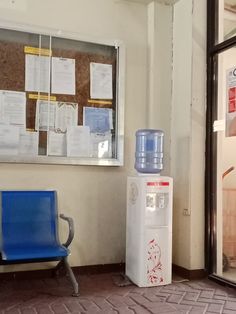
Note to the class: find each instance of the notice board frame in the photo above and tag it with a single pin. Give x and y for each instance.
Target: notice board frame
(118, 145)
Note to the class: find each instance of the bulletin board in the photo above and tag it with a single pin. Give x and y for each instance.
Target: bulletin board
(72, 92)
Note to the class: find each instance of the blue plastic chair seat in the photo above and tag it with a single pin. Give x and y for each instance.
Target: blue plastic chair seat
(30, 253)
(29, 226)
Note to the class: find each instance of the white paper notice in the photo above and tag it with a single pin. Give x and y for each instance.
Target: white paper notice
(57, 144)
(9, 139)
(13, 108)
(28, 145)
(219, 125)
(66, 115)
(37, 70)
(45, 115)
(63, 76)
(100, 81)
(78, 141)
(101, 145)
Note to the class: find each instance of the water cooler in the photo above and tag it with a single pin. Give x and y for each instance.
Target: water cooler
(149, 215)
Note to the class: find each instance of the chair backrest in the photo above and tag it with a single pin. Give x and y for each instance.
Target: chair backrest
(29, 218)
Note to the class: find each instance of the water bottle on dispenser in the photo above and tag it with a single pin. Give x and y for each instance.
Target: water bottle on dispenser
(149, 151)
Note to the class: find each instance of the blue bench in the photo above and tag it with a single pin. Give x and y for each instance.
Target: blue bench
(29, 230)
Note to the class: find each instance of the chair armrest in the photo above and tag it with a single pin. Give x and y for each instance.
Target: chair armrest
(71, 229)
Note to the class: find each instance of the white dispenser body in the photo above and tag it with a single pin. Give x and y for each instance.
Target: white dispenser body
(149, 230)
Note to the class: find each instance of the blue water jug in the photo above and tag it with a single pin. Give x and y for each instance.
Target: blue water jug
(149, 151)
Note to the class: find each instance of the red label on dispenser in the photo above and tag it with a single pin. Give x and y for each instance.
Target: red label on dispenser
(160, 183)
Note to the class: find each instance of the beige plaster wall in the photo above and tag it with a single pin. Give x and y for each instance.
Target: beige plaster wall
(188, 132)
(180, 131)
(94, 196)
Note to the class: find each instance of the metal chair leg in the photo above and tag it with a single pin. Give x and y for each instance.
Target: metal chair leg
(58, 268)
(72, 278)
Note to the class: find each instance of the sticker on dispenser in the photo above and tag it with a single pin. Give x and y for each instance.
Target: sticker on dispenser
(154, 263)
(133, 193)
(151, 201)
(162, 200)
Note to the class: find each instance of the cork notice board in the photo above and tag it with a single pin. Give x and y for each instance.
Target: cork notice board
(15, 47)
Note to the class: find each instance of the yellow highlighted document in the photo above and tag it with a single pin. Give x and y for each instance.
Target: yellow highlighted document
(42, 97)
(37, 51)
(100, 102)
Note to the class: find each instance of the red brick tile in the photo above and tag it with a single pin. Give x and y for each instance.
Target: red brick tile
(191, 296)
(128, 301)
(28, 311)
(192, 303)
(92, 311)
(197, 310)
(230, 305)
(207, 294)
(12, 311)
(154, 298)
(43, 309)
(59, 309)
(170, 291)
(221, 292)
(73, 306)
(183, 308)
(215, 308)
(139, 299)
(99, 294)
(220, 297)
(138, 310)
(230, 298)
(204, 300)
(228, 311)
(101, 303)
(87, 304)
(125, 311)
(116, 301)
(161, 308)
(175, 298)
(138, 290)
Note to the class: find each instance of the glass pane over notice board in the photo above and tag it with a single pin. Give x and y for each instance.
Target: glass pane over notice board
(61, 99)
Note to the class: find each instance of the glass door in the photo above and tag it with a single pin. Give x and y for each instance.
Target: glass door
(221, 142)
(225, 128)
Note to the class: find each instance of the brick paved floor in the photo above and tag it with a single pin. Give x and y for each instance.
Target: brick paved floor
(99, 294)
